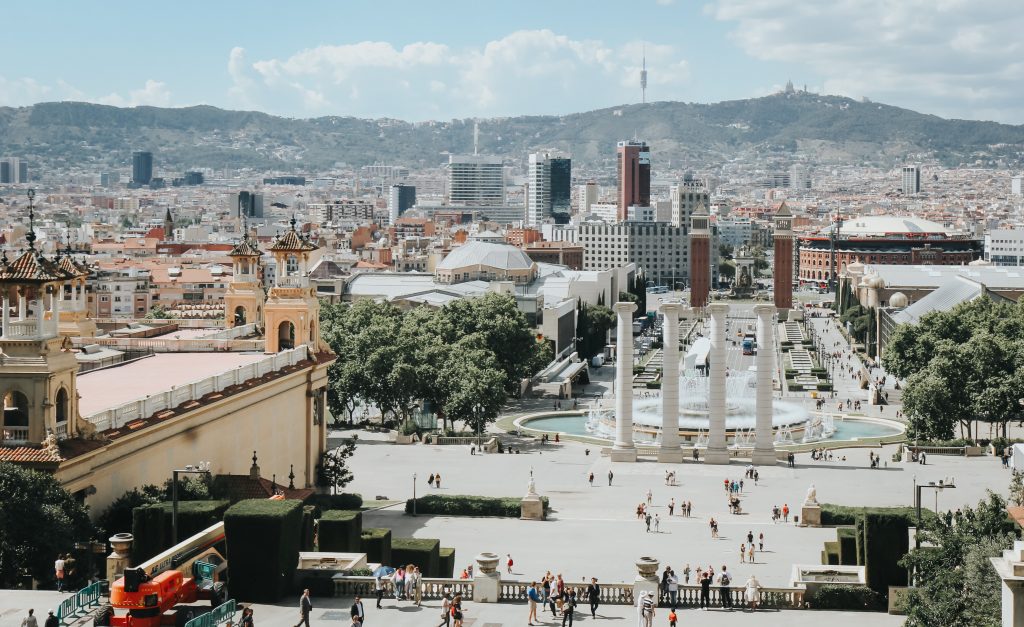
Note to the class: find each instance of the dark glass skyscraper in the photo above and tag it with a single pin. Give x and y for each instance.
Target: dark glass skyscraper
(561, 185)
(142, 168)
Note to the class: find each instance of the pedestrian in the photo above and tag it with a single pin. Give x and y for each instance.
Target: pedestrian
(686, 575)
(672, 617)
(569, 608)
(399, 580)
(58, 567)
(689, 508)
(647, 519)
(357, 612)
(378, 588)
(750, 537)
(560, 591)
(446, 610)
(417, 588)
(430, 480)
(591, 479)
(657, 524)
(593, 596)
(705, 590)
(785, 512)
(750, 553)
(30, 620)
(723, 588)
(645, 610)
(532, 597)
(609, 478)
(508, 564)
(650, 496)
(457, 610)
(437, 481)
(673, 587)
(305, 607)
(51, 620)
(246, 620)
(760, 542)
(743, 553)
(752, 592)
(671, 506)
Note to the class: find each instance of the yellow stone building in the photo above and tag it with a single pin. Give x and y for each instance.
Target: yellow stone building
(115, 428)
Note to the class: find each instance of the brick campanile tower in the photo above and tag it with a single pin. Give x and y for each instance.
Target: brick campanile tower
(783, 274)
(700, 256)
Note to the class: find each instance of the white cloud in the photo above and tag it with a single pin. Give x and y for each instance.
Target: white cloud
(528, 71)
(950, 57)
(19, 92)
(153, 93)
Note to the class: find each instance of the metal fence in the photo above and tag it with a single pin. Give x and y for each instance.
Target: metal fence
(73, 606)
(220, 614)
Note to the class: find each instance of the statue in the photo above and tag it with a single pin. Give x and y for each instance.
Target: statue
(744, 278)
(531, 488)
(812, 496)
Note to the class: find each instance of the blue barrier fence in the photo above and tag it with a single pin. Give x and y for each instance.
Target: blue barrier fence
(80, 602)
(220, 614)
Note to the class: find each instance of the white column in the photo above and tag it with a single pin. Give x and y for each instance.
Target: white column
(1010, 567)
(670, 451)
(41, 311)
(717, 452)
(22, 304)
(6, 314)
(623, 450)
(58, 298)
(764, 445)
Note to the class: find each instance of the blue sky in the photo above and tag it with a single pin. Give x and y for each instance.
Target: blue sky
(419, 60)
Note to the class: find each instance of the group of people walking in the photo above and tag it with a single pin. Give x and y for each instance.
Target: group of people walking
(553, 594)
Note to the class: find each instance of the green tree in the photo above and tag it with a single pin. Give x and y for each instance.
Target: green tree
(38, 521)
(1017, 488)
(158, 312)
(727, 270)
(956, 586)
(332, 470)
(117, 517)
(592, 328)
(476, 385)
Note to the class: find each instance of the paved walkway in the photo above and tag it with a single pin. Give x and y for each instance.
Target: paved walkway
(335, 612)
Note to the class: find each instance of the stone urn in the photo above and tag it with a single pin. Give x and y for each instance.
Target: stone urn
(488, 563)
(647, 568)
(121, 543)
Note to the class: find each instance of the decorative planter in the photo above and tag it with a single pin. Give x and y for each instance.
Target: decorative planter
(647, 567)
(488, 563)
(121, 543)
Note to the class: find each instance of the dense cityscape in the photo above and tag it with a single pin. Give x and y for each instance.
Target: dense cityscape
(260, 368)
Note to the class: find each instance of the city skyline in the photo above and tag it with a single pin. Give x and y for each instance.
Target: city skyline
(951, 59)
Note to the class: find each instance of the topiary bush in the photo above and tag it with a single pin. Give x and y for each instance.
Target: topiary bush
(462, 505)
(310, 514)
(446, 562)
(327, 502)
(830, 556)
(847, 539)
(340, 531)
(842, 597)
(263, 548)
(423, 552)
(151, 524)
(376, 543)
(886, 542)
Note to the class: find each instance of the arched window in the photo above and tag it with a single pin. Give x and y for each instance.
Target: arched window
(15, 427)
(62, 405)
(239, 315)
(285, 336)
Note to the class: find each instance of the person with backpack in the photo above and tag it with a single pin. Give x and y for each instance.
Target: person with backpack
(723, 588)
(568, 607)
(457, 610)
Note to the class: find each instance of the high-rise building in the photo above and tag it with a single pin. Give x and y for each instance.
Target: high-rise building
(475, 181)
(561, 186)
(538, 191)
(401, 198)
(142, 168)
(782, 272)
(588, 194)
(13, 170)
(1015, 185)
(634, 170)
(799, 177)
(659, 248)
(685, 199)
(700, 256)
(911, 179)
(246, 204)
(109, 179)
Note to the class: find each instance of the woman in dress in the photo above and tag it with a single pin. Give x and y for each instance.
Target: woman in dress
(753, 588)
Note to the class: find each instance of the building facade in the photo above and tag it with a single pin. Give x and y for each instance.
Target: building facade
(634, 173)
(142, 168)
(911, 183)
(475, 180)
(659, 249)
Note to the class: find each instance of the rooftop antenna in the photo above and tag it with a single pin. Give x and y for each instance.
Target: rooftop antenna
(476, 138)
(643, 77)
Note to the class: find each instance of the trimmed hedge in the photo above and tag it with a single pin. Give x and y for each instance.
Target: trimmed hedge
(422, 552)
(151, 524)
(327, 502)
(462, 505)
(847, 539)
(376, 543)
(340, 531)
(887, 541)
(842, 597)
(263, 548)
(446, 562)
(831, 554)
(310, 514)
(836, 515)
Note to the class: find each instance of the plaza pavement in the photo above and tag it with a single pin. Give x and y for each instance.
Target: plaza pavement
(335, 612)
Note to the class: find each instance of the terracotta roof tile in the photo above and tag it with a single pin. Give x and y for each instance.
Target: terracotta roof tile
(28, 455)
(32, 266)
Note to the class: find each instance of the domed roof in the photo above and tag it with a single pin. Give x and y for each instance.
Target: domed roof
(888, 225)
(855, 268)
(475, 253)
(898, 300)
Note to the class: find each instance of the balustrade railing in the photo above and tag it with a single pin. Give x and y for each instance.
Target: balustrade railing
(687, 596)
(17, 329)
(432, 588)
(138, 409)
(61, 430)
(14, 435)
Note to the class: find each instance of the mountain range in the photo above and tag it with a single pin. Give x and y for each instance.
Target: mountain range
(816, 128)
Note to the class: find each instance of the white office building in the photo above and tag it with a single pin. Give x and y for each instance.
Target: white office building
(685, 199)
(475, 181)
(911, 179)
(1005, 247)
(587, 195)
(538, 192)
(1015, 186)
(659, 248)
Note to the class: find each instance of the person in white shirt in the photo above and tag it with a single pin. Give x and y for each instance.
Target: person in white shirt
(58, 567)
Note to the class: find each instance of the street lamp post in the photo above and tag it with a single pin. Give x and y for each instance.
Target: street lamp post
(202, 468)
(931, 485)
(413, 494)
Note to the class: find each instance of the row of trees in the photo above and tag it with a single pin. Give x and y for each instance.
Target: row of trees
(463, 359)
(962, 366)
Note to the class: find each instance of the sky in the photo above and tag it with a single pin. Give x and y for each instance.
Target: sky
(442, 59)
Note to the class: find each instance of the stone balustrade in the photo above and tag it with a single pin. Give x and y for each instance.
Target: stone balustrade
(139, 409)
(171, 345)
(432, 587)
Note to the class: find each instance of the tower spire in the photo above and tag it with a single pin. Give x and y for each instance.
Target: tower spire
(31, 235)
(643, 77)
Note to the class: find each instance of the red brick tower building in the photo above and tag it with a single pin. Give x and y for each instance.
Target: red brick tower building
(700, 256)
(783, 275)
